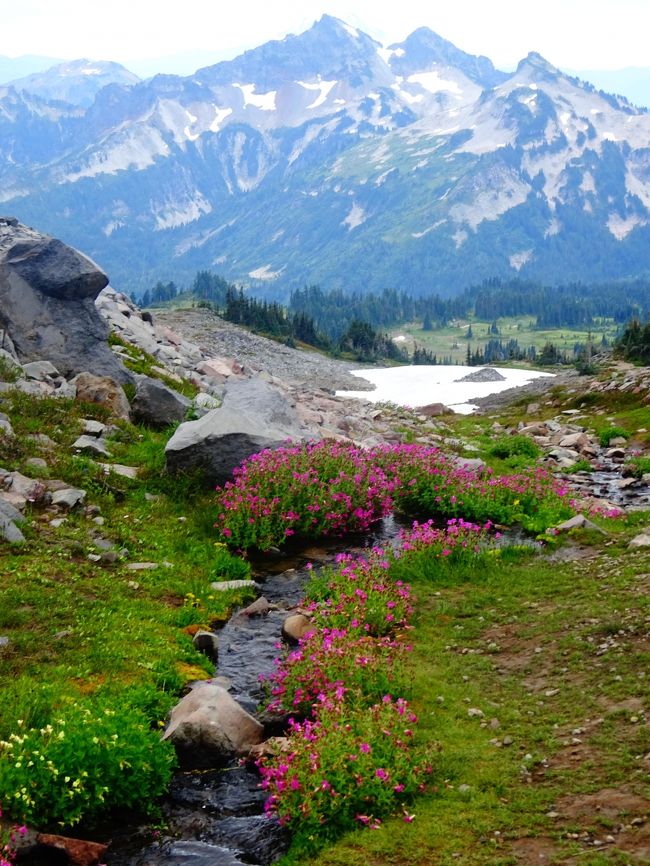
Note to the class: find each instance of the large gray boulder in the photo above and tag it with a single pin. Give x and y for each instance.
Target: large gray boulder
(253, 416)
(157, 405)
(47, 303)
(208, 726)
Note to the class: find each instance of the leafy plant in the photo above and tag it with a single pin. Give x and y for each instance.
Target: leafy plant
(509, 446)
(610, 433)
(88, 760)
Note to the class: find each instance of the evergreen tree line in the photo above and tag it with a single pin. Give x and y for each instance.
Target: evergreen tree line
(574, 305)
(634, 343)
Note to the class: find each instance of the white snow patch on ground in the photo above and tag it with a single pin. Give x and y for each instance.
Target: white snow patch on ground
(264, 273)
(408, 97)
(400, 338)
(518, 260)
(220, 114)
(459, 237)
(433, 82)
(420, 386)
(356, 216)
(620, 226)
(263, 101)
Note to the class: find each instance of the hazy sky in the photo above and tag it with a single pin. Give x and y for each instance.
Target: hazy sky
(572, 34)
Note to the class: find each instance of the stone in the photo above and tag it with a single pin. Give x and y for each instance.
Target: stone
(91, 445)
(7, 510)
(47, 296)
(574, 440)
(295, 627)
(36, 463)
(225, 585)
(471, 464)
(5, 425)
(9, 531)
(579, 521)
(92, 427)
(485, 374)
(641, 540)
(618, 441)
(260, 607)
(253, 416)
(69, 497)
(42, 371)
(142, 566)
(120, 469)
(208, 726)
(433, 410)
(105, 391)
(157, 405)
(206, 642)
(78, 851)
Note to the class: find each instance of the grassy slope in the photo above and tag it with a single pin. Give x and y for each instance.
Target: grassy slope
(495, 641)
(556, 649)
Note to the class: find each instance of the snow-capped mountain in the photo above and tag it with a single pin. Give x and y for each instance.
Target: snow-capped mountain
(75, 81)
(325, 157)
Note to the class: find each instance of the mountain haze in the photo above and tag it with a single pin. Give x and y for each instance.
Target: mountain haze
(325, 157)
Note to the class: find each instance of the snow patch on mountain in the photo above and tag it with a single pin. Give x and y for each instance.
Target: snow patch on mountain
(426, 231)
(170, 214)
(134, 148)
(323, 87)
(263, 101)
(433, 82)
(220, 114)
(265, 273)
(518, 260)
(620, 226)
(355, 218)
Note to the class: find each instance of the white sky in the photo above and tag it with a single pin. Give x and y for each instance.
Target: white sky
(572, 34)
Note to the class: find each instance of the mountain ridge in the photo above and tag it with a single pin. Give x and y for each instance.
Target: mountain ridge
(307, 158)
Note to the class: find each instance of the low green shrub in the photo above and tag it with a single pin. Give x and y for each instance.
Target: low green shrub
(511, 446)
(610, 433)
(85, 762)
(638, 466)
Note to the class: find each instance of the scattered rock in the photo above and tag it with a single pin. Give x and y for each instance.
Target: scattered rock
(120, 469)
(105, 391)
(208, 725)
(206, 642)
(579, 521)
(641, 540)
(91, 445)
(78, 851)
(296, 627)
(69, 497)
(157, 405)
(9, 531)
(224, 585)
(142, 566)
(434, 410)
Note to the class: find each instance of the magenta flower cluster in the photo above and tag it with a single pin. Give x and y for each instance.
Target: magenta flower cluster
(310, 490)
(332, 488)
(351, 758)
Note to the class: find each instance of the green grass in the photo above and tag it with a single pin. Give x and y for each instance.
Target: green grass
(503, 641)
(451, 341)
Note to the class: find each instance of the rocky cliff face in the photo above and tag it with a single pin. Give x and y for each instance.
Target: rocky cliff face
(47, 303)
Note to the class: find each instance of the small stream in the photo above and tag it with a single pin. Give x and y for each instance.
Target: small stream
(215, 817)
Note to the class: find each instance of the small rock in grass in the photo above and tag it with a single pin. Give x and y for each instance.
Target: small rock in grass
(225, 585)
(206, 642)
(9, 531)
(579, 521)
(296, 627)
(69, 497)
(475, 713)
(641, 540)
(142, 566)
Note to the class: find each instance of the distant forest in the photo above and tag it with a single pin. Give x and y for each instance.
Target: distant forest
(338, 322)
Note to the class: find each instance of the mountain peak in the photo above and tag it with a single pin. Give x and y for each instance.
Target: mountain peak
(535, 61)
(425, 48)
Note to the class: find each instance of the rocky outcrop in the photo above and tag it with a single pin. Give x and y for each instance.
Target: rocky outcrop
(485, 374)
(253, 416)
(47, 303)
